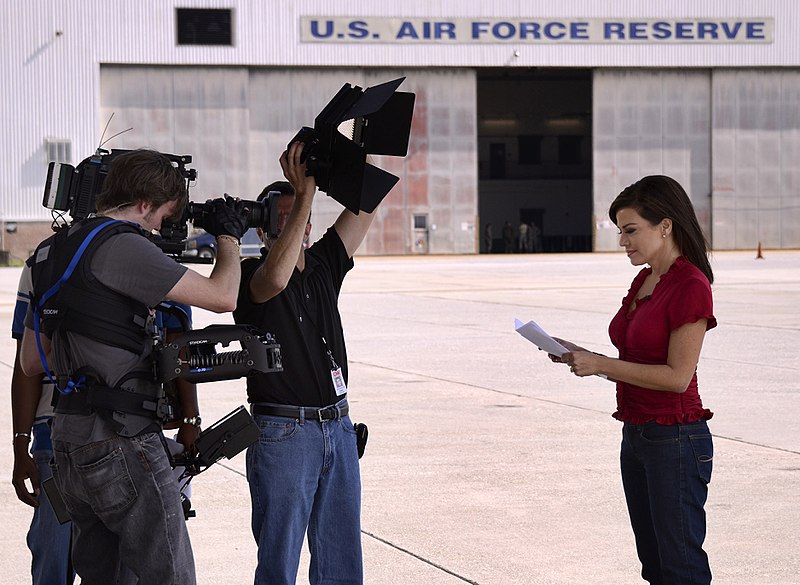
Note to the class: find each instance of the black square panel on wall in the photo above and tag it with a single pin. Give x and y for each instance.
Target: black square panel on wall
(204, 26)
(529, 149)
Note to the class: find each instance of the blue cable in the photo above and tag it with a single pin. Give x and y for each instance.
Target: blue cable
(71, 385)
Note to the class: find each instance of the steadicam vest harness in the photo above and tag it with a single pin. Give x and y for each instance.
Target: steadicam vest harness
(76, 301)
(68, 298)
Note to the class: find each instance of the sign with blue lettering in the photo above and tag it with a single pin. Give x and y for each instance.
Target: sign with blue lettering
(326, 29)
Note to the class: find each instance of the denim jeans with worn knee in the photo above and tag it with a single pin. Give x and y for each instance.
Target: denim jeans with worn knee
(665, 473)
(304, 477)
(126, 511)
(48, 540)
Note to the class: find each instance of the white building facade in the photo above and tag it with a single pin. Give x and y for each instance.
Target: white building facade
(525, 111)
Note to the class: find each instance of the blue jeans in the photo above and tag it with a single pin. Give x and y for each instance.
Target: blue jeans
(665, 473)
(48, 540)
(126, 511)
(304, 476)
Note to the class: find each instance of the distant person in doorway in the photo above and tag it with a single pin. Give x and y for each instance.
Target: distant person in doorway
(535, 238)
(488, 238)
(508, 238)
(667, 451)
(524, 240)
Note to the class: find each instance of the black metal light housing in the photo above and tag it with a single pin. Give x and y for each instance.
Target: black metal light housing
(380, 120)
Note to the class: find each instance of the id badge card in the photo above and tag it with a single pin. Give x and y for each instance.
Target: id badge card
(338, 381)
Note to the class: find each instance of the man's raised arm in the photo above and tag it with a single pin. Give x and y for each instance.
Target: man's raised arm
(218, 291)
(284, 253)
(352, 229)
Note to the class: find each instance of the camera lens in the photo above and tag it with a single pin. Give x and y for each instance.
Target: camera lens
(200, 213)
(258, 216)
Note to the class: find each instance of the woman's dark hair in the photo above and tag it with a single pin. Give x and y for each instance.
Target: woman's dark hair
(142, 176)
(658, 197)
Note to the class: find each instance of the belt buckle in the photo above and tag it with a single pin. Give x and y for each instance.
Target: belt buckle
(334, 411)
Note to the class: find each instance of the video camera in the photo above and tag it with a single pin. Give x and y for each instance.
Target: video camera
(193, 355)
(74, 190)
(260, 214)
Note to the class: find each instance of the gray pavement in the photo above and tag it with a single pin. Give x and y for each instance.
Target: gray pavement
(489, 465)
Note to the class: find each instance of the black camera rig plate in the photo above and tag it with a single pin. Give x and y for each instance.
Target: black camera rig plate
(193, 356)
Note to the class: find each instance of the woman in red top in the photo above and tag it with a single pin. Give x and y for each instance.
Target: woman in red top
(667, 452)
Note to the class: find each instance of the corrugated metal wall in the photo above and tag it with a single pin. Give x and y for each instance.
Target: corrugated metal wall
(756, 159)
(437, 178)
(49, 91)
(650, 123)
(51, 69)
(268, 33)
(204, 112)
(235, 122)
(731, 137)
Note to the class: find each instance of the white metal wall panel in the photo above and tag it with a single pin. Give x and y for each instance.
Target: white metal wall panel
(52, 52)
(437, 178)
(281, 101)
(198, 111)
(235, 122)
(268, 33)
(756, 159)
(49, 91)
(646, 123)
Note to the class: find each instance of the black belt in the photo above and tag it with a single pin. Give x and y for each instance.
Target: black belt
(86, 400)
(303, 412)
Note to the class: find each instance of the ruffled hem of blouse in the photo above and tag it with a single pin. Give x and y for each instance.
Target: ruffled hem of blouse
(665, 419)
(711, 321)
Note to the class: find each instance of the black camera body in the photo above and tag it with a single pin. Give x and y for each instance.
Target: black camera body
(259, 214)
(74, 190)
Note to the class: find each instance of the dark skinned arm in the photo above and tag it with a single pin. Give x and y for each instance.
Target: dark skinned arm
(25, 394)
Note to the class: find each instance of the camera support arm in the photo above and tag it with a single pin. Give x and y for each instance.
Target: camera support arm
(193, 356)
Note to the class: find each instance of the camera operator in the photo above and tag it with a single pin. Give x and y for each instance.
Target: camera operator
(304, 472)
(110, 463)
(31, 412)
(31, 408)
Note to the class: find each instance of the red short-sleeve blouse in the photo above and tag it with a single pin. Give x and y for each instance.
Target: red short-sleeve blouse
(682, 295)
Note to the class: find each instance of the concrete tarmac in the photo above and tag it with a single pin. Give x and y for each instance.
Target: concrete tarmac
(486, 463)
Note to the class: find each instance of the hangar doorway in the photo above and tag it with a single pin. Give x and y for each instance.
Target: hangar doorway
(535, 159)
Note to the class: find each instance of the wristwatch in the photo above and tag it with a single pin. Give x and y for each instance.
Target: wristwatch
(192, 420)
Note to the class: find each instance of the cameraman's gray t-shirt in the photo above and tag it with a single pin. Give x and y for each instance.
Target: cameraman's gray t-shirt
(132, 266)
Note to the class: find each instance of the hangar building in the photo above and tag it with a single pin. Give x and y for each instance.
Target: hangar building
(525, 111)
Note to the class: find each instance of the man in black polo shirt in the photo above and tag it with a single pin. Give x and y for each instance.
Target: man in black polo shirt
(303, 472)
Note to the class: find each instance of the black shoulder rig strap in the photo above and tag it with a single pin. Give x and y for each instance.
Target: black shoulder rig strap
(83, 306)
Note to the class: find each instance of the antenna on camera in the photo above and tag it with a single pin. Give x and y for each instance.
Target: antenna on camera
(110, 138)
